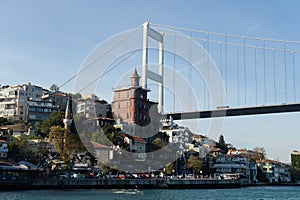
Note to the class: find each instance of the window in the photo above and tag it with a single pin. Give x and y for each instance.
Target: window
(135, 93)
(135, 115)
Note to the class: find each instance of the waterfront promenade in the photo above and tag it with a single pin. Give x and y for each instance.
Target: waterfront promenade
(120, 183)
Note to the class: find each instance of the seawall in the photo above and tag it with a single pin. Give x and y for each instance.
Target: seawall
(119, 184)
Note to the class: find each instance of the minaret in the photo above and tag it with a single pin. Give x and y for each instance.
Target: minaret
(135, 79)
(67, 121)
(68, 115)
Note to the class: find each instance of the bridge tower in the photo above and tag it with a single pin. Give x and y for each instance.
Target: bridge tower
(147, 74)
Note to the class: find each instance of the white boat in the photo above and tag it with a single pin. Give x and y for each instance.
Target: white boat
(128, 191)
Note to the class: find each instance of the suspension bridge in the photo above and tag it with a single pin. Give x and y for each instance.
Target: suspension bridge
(226, 75)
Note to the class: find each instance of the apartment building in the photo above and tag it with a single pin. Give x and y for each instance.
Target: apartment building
(13, 100)
(91, 106)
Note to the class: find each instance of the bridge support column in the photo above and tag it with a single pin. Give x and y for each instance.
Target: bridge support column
(159, 78)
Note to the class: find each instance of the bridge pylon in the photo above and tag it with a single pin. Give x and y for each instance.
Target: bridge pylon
(148, 74)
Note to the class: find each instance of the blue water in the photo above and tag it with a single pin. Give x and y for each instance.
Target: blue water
(260, 193)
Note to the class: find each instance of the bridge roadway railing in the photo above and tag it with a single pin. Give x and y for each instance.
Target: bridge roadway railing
(228, 112)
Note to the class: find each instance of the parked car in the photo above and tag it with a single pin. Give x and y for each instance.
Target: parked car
(190, 176)
(121, 176)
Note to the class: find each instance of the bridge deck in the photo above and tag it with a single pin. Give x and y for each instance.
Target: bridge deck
(228, 112)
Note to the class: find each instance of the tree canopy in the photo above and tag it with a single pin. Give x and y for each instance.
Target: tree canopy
(55, 119)
(67, 143)
(54, 88)
(4, 121)
(222, 145)
(194, 163)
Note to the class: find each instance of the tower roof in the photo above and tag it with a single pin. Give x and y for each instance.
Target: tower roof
(68, 113)
(135, 74)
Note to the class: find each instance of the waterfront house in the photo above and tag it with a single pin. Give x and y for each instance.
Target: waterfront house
(102, 152)
(275, 171)
(236, 166)
(137, 145)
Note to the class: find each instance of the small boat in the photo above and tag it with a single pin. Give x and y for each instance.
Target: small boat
(128, 191)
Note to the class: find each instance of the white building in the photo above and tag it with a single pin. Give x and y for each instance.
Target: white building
(235, 166)
(14, 100)
(275, 172)
(91, 106)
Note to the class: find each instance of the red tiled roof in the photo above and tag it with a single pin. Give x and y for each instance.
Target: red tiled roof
(215, 149)
(13, 126)
(198, 136)
(98, 145)
(135, 138)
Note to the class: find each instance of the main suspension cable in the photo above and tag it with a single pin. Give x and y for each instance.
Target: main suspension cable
(109, 70)
(98, 58)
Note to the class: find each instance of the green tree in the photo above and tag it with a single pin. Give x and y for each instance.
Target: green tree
(109, 113)
(19, 150)
(99, 137)
(55, 119)
(157, 143)
(54, 88)
(107, 169)
(194, 164)
(4, 121)
(170, 168)
(114, 136)
(260, 153)
(222, 144)
(76, 96)
(66, 143)
(56, 135)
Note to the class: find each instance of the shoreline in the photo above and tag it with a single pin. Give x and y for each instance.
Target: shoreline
(44, 184)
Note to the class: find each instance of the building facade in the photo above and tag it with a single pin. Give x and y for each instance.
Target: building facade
(58, 99)
(295, 161)
(103, 153)
(91, 106)
(25, 103)
(275, 171)
(3, 149)
(39, 110)
(236, 166)
(131, 108)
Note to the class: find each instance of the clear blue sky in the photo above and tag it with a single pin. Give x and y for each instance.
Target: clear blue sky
(44, 42)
